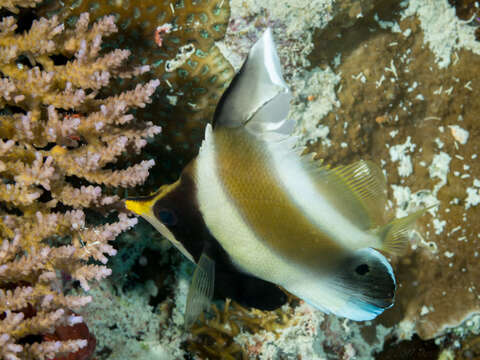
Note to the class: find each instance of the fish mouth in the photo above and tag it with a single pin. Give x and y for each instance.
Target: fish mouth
(141, 205)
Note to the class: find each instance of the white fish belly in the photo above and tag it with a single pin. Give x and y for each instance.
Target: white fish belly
(225, 221)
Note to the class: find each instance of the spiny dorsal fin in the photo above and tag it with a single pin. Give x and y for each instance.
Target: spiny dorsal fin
(201, 289)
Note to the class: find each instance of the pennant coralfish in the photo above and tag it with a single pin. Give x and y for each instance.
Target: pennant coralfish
(255, 215)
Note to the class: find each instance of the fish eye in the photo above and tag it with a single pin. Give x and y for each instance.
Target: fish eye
(362, 269)
(167, 217)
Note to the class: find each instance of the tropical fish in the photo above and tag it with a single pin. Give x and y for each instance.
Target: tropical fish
(255, 216)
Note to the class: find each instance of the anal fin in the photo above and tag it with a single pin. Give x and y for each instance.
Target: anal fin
(201, 289)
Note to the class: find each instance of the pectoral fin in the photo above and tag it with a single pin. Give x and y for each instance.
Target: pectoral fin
(201, 289)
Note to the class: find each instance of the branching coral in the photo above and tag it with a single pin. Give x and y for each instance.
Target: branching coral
(176, 38)
(59, 136)
(15, 5)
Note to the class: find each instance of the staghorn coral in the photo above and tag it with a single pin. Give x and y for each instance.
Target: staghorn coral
(59, 136)
(176, 38)
(15, 5)
(60, 106)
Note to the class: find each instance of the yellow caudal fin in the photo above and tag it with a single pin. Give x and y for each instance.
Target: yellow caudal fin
(396, 234)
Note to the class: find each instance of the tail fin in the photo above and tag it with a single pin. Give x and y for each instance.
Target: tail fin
(395, 234)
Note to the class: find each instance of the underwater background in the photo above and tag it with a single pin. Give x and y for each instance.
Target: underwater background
(100, 100)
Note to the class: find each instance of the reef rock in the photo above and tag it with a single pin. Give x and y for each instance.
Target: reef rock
(395, 83)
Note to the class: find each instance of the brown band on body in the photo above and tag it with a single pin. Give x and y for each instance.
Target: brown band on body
(247, 175)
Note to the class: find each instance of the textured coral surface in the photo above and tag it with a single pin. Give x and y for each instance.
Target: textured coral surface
(236, 332)
(399, 108)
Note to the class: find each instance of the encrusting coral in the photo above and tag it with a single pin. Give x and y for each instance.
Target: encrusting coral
(59, 136)
(468, 10)
(434, 58)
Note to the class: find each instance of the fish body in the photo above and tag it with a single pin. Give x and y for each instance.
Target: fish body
(253, 213)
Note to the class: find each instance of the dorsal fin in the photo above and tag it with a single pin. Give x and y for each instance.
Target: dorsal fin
(366, 183)
(358, 189)
(258, 96)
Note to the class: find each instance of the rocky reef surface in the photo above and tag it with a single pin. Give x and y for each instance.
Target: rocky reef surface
(396, 83)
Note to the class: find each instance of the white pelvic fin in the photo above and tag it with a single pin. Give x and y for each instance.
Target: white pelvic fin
(200, 293)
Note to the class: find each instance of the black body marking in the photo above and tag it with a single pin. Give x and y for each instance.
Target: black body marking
(190, 229)
(369, 277)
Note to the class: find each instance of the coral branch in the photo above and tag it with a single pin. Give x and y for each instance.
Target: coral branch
(62, 136)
